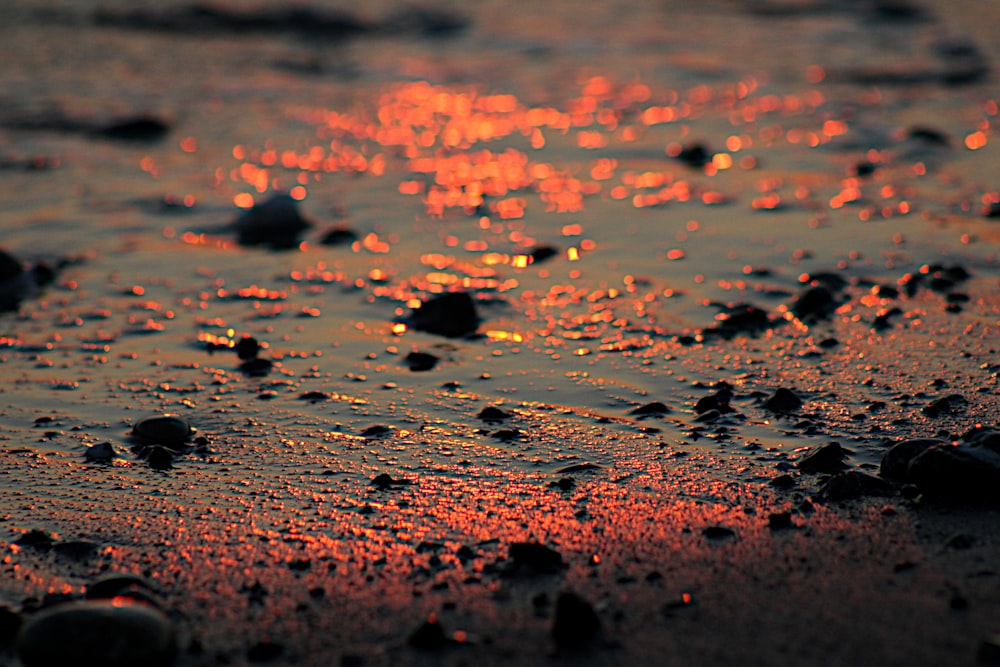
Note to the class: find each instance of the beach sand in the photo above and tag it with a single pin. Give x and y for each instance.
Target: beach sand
(649, 207)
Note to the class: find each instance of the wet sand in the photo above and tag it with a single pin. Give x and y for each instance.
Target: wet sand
(638, 204)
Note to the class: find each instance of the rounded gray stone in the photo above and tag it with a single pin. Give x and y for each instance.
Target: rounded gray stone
(98, 633)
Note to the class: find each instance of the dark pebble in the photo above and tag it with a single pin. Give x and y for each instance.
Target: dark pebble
(780, 521)
(385, 481)
(854, 484)
(897, 459)
(452, 315)
(946, 405)
(35, 539)
(543, 252)
(376, 431)
(740, 318)
(167, 429)
(654, 408)
(275, 223)
(116, 584)
(139, 128)
(247, 348)
(493, 414)
(967, 472)
(420, 361)
(576, 625)
(314, 396)
(960, 541)
(718, 532)
(98, 633)
(828, 458)
(338, 236)
(103, 452)
(783, 400)
(535, 556)
(783, 482)
(159, 458)
(694, 155)
(815, 303)
(708, 417)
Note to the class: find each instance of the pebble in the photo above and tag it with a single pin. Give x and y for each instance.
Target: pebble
(854, 484)
(420, 361)
(493, 414)
(338, 236)
(116, 584)
(968, 471)
(780, 521)
(576, 625)
(828, 458)
(897, 459)
(275, 223)
(136, 128)
(654, 408)
(452, 315)
(946, 405)
(35, 539)
(98, 633)
(166, 429)
(103, 452)
(535, 556)
(718, 532)
(543, 252)
(265, 651)
(815, 303)
(247, 348)
(783, 400)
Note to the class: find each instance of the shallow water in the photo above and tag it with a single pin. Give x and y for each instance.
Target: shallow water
(565, 120)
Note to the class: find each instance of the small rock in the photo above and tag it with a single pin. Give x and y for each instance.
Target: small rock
(897, 459)
(35, 539)
(543, 252)
(452, 315)
(275, 223)
(338, 236)
(718, 532)
(969, 471)
(420, 361)
(694, 155)
(828, 458)
(783, 400)
(785, 481)
(98, 632)
(815, 303)
(118, 584)
(376, 431)
(103, 452)
(576, 625)
(385, 481)
(138, 128)
(780, 521)
(247, 348)
(654, 408)
(945, 405)
(493, 414)
(960, 541)
(167, 429)
(256, 367)
(854, 484)
(535, 556)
